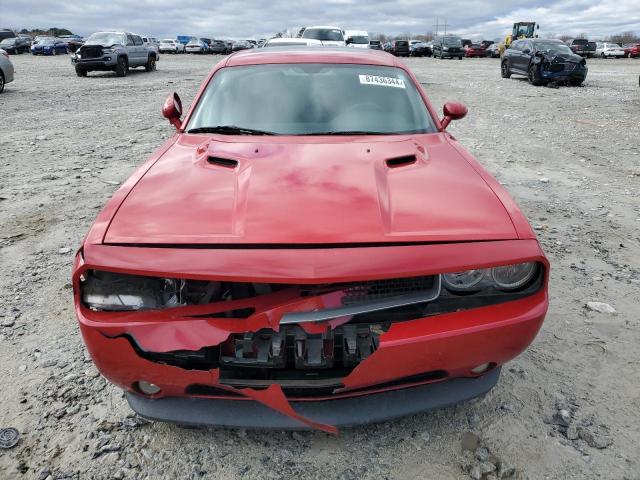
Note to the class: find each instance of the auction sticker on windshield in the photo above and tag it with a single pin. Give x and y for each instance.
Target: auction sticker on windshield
(383, 81)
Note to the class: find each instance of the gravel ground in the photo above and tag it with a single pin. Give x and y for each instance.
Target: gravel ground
(566, 408)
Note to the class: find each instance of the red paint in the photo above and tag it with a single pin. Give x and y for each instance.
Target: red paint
(441, 213)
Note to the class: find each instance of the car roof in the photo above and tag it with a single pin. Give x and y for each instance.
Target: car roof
(302, 54)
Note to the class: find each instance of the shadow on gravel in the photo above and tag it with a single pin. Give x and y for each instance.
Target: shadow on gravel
(113, 74)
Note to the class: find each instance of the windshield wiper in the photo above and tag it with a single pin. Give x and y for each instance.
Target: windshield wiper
(347, 132)
(229, 130)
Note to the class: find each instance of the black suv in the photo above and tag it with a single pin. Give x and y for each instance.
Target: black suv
(400, 48)
(543, 61)
(448, 46)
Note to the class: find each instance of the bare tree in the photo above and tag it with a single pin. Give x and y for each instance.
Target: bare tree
(564, 38)
(624, 37)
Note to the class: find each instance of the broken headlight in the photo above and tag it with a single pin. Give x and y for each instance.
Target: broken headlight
(116, 292)
(505, 278)
(120, 292)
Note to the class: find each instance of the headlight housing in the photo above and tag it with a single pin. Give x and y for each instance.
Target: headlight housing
(118, 293)
(502, 278)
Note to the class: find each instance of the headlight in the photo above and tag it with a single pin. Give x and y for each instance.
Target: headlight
(115, 292)
(78, 55)
(511, 277)
(463, 280)
(445, 48)
(508, 277)
(118, 292)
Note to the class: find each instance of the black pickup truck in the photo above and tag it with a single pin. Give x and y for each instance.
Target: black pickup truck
(583, 47)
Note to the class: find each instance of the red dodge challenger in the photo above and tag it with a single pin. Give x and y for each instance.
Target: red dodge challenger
(311, 249)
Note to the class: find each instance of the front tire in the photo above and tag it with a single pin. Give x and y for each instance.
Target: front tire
(81, 72)
(533, 75)
(505, 70)
(576, 83)
(1, 82)
(151, 64)
(122, 67)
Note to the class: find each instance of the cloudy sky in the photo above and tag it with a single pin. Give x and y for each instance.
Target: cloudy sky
(260, 18)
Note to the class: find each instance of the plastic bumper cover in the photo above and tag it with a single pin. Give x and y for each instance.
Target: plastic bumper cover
(340, 413)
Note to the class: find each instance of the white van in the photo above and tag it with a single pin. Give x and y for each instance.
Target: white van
(357, 38)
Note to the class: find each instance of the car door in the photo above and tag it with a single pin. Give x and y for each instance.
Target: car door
(141, 50)
(528, 51)
(521, 59)
(132, 51)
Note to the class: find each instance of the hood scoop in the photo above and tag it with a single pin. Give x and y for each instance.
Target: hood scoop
(222, 162)
(401, 161)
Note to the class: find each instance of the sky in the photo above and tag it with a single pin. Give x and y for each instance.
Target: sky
(263, 18)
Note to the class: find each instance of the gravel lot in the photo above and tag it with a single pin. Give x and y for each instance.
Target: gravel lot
(567, 408)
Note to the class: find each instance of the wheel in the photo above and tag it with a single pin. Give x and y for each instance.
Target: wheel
(81, 72)
(1, 82)
(505, 70)
(603, 55)
(122, 67)
(459, 58)
(576, 83)
(151, 64)
(533, 75)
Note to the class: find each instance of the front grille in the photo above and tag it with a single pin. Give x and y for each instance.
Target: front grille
(91, 52)
(380, 289)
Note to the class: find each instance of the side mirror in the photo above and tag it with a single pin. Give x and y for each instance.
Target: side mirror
(453, 111)
(172, 110)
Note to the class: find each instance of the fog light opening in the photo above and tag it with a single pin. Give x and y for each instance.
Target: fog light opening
(482, 368)
(148, 388)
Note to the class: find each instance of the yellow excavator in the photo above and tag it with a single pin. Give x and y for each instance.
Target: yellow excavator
(520, 30)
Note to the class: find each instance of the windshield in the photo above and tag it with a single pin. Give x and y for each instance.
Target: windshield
(452, 41)
(47, 41)
(106, 38)
(308, 99)
(580, 41)
(325, 34)
(360, 40)
(552, 47)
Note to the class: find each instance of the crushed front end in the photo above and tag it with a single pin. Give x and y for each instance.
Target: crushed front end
(562, 68)
(307, 338)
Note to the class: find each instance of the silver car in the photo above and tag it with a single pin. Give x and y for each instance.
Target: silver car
(6, 70)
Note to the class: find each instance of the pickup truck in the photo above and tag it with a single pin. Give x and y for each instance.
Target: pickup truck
(583, 47)
(115, 51)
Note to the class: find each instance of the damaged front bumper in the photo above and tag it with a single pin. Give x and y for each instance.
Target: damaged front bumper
(263, 371)
(563, 72)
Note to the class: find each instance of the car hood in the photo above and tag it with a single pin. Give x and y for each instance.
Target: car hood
(207, 190)
(562, 57)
